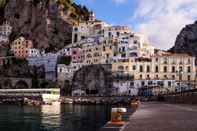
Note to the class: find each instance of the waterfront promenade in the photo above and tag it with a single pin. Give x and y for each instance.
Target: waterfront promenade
(163, 117)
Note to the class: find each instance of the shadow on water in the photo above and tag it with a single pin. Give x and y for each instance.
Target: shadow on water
(53, 118)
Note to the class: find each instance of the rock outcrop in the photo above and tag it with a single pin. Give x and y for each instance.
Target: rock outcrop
(48, 23)
(186, 41)
(93, 80)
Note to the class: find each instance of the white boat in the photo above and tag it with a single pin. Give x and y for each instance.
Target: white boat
(51, 97)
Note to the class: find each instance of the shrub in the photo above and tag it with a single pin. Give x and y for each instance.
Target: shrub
(65, 60)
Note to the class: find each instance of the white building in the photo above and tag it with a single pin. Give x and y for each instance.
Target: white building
(5, 31)
(34, 52)
(66, 72)
(49, 61)
(124, 88)
(166, 71)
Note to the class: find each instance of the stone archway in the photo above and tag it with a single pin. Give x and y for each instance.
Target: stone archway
(21, 85)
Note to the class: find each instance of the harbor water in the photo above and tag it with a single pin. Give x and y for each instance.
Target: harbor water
(53, 117)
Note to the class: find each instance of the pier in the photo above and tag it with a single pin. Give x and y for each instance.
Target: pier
(163, 117)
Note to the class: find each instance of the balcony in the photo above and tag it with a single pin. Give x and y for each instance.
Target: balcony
(120, 75)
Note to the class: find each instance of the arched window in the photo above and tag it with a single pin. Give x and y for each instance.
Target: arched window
(148, 68)
(156, 69)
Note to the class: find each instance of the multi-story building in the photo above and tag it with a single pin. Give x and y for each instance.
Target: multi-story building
(5, 31)
(20, 47)
(34, 52)
(92, 54)
(66, 72)
(76, 55)
(92, 28)
(49, 61)
(168, 70)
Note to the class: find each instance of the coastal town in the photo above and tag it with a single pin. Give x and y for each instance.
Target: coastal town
(136, 66)
(65, 67)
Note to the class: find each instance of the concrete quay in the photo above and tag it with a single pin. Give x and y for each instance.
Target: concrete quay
(153, 116)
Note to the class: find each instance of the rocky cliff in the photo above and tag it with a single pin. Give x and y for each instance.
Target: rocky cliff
(48, 23)
(186, 41)
(93, 80)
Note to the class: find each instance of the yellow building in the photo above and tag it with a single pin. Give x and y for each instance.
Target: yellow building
(20, 47)
(166, 66)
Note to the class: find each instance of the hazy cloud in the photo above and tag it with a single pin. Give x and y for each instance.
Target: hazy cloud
(162, 20)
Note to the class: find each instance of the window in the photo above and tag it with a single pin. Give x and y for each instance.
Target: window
(134, 67)
(173, 69)
(165, 60)
(141, 68)
(118, 34)
(150, 82)
(131, 83)
(173, 77)
(143, 83)
(189, 69)
(165, 76)
(123, 49)
(157, 77)
(188, 77)
(109, 34)
(156, 59)
(75, 37)
(165, 69)
(169, 83)
(140, 76)
(76, 29)
(160, 83)
(148, 76)
(103, 48)
(148, 68)
(82, 37)
(156, 69)
(120, 68)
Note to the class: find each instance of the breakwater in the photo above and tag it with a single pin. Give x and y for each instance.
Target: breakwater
(115, 100)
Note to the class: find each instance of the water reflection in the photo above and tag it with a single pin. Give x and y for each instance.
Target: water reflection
(53, 118)
(74, 117)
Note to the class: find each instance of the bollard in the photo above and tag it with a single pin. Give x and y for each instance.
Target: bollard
(116, 115)
(135, 103)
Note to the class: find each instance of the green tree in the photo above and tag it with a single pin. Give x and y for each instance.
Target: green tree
(65, 60)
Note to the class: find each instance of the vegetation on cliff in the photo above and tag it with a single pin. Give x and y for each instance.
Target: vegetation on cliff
(48, 23)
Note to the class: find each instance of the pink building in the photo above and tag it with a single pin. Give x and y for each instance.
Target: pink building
(77, 55)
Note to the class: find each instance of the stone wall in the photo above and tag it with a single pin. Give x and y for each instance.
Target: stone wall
(93, 80)
(183, 98)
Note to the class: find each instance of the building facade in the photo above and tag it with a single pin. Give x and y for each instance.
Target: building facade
(49, 61)
(167, 70)
(20, 47)
(5, 31)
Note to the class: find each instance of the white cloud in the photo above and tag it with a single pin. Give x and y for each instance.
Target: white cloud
(162, 20)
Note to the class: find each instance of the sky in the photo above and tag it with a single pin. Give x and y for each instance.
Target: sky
(160, 20)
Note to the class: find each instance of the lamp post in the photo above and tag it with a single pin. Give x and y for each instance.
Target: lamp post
(180, 73)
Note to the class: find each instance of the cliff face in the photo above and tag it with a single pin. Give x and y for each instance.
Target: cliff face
(48, 23)
(186, 41)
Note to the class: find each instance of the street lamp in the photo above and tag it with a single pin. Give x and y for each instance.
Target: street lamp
(180, 73)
